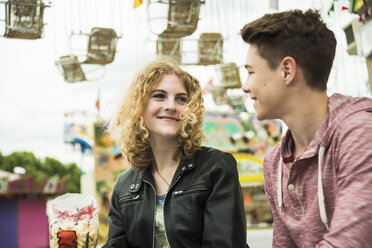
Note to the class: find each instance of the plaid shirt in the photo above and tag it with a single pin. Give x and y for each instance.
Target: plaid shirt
(346, 175)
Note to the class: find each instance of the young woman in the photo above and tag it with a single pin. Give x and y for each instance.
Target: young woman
(177, 193)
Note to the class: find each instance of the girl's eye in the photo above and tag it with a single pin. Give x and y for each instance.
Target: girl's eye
(159, 96)
(182, 99)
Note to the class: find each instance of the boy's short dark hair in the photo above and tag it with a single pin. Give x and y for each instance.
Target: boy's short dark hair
(301, 35)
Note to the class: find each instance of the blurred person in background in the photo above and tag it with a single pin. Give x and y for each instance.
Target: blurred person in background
(177, 193)
(318, 179)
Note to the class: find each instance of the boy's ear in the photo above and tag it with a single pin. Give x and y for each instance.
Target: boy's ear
(289, 69)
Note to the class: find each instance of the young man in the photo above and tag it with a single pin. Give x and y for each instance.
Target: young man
(318, 179)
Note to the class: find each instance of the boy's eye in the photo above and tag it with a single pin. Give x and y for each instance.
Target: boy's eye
(159, 95)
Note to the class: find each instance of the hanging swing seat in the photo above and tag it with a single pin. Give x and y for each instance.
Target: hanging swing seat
(219, 95)
(71, 69)
(229, 75)
(101, 46)
(237, 103)
(24, 19)
(169, 47)
(183, 17)
(210, 49)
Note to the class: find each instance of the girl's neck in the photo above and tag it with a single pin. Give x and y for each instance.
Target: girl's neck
(164, 152)
(164, 165)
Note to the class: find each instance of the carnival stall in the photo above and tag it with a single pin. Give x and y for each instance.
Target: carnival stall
(23, 203)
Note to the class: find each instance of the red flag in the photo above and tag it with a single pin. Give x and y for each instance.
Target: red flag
(97, 104)
(98, 101)
(209, 84)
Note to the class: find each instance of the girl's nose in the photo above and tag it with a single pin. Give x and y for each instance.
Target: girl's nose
(170, 105)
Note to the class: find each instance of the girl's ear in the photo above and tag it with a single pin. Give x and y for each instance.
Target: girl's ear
(289, 69)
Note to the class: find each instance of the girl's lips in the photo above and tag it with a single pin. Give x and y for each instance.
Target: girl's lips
(168, 118)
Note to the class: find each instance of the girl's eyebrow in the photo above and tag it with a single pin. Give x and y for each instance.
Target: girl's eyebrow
(158, 90)
(163, 91)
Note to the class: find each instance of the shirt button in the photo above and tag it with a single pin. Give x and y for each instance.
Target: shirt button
(190, 165)
(291, 187)
(183, 168)
(132, 186)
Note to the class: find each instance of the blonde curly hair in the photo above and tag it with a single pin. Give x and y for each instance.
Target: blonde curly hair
(127, 126)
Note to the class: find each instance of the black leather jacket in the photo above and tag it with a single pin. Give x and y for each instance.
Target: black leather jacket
(203, 207)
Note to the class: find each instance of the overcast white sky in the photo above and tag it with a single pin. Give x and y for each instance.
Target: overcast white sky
(34, 95)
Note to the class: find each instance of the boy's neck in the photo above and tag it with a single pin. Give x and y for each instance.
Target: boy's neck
(308, 112)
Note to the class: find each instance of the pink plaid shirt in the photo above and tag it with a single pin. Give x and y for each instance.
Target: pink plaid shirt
(345, 138)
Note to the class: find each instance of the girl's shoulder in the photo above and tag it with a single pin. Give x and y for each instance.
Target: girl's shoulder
(214, 156)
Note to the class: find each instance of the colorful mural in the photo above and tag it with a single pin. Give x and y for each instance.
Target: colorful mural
(249, 167)
(109, 163)
(248, 139)
(219, 128)
(79, 134)
(230, 133)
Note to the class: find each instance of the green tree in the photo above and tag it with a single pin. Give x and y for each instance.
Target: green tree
(27, 160)
(1, 160)
(41, 169)
(52, 166)
(73, 173)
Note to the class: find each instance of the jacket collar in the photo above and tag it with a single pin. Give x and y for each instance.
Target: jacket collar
(145, 174)
(184, 166)
(136, 181)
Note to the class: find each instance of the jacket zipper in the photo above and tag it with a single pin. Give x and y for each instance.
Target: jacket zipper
(153, 214)
(189, 190)
(129, 198)
(164, 212)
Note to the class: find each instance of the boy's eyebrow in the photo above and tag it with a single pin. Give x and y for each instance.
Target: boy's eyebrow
(247, 66)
